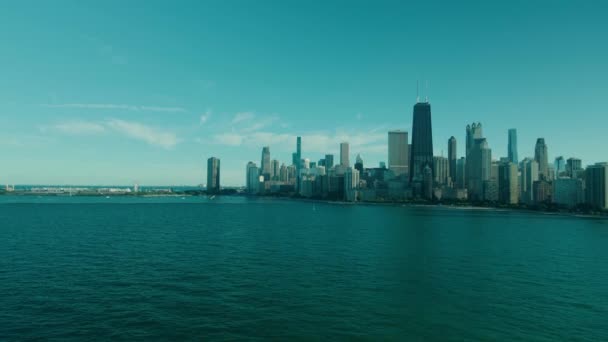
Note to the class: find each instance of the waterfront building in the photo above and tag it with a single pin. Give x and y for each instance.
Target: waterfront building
(541, 156)
(474, 131)
(529, 175)
(252, 178)
(508, 183)
(512, 147)
(344, 154)
(452, 158)
(351, 184)
(479, 168)
(574, 167)
(265, 168)
(427, 182)
(329, 161)
(359, 164)
(490, 190)
(422, 141)
(568, 191)
(440, 170)
(292, 175)
(596, 185)
(213, 175)
(559, 167)
(283, 175)
(274, 170)
(398, 156)
(461, 165)
(543, 191)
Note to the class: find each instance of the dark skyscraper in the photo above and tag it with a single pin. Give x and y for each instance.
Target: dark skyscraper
(265, 164)
(329, 161)
(213, 175)
(299, 152)
(512, 152)
(452, 156)
(542, 158)
(422, 141)
(474, 131)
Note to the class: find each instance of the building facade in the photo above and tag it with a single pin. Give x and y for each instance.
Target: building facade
(213, 175)
(596, 185)
(422, 141)
(344, 154)
(512, 147)
(398, 153)
(541, 155)
(452, 157)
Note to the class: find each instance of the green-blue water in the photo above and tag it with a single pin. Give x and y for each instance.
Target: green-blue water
(233, 268)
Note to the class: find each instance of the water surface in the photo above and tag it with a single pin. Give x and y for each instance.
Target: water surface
(234, 268)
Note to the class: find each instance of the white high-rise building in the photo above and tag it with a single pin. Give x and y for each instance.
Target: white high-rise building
(398, 153)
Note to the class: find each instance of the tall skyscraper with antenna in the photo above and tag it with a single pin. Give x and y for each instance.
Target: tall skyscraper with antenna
(422, 141)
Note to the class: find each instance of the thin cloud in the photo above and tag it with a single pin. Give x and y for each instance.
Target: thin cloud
(139, 131)
(79, 128)
(242, 116)
(205, 117)
(117, 107)
(228, 139)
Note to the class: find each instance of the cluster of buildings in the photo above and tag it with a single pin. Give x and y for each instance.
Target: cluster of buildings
(414, 172)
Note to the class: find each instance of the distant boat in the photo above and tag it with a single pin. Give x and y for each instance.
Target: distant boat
(212, 197)
(107, 196)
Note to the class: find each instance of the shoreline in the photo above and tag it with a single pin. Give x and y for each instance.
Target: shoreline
(461, 206)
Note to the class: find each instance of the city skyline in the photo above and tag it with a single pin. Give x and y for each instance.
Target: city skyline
(142, 101)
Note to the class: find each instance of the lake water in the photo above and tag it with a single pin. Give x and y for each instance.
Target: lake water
(237, 268)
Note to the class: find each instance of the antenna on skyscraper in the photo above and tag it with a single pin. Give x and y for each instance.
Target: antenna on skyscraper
(426, 90)
(417, 91)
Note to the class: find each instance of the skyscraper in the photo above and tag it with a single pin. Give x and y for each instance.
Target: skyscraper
(344, 151)
(422, 141)
(461, 166)
(474, 131)
(252, 177)
(574, 166)
(452, 156)
(274, 169)
(596, 181)
(479, 168)
(440, 170)
(298, 150)
(560, 167)
(542, 158)
(529, 175)
(329, 161)
(213, 175)
(298, 161)
(265, 168)
(359, 164)
(398, 156)
(512, 150)
(508, 185)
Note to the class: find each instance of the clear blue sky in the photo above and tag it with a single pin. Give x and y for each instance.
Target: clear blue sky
(112, 92)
